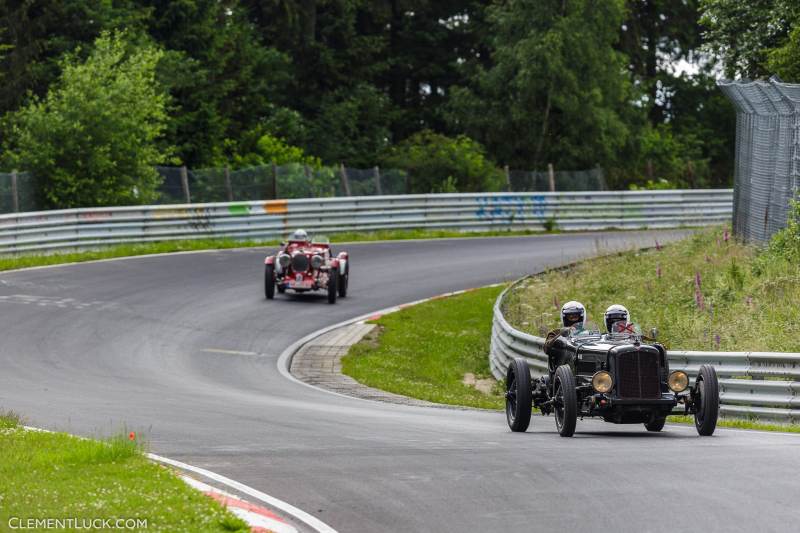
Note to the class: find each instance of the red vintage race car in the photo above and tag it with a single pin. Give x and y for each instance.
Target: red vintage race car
(304, 264)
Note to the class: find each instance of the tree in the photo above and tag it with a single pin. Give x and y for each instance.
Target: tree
(95, 136)
(223, 79)
(436, 163)
(742, 34)
(39, 32)
(557, 92)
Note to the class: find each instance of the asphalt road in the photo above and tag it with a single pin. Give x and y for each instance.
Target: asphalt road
(184, 349)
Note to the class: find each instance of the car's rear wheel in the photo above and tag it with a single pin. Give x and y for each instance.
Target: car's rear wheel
(518, 395)
(269, 281)
(657, 424)
(344, 279)
(333, 277)
(706, 399)
(565, 401)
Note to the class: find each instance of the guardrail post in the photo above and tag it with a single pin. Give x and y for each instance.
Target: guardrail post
(273, 194)
(185, 184)
(14, 192)
(345, 181)
(228, 188)
(508, 177)
(551, 177)
(378, 188)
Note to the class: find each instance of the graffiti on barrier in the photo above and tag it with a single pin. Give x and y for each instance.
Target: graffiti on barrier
(510, 207)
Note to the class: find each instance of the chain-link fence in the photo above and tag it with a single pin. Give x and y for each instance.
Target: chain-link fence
(295, 180)
(556, 180)
(767, 171)
(17, 192)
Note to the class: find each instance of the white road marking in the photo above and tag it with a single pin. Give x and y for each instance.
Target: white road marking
(229, 352)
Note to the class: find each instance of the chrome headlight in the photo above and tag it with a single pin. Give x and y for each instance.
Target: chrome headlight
(678, 381)
(284, 260)
(316, 261)
(602, 382)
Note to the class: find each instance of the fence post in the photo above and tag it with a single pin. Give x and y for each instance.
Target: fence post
(14, 192)
(508, 177)
(551, 176)
(228, 188)
(345, 181)
(274, 191)
(185, 184)
(377, 171)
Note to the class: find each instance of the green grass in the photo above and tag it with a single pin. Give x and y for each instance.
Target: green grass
(12, 262)
(748, 303)
(55, 475)
(425, 350)
(740, 424)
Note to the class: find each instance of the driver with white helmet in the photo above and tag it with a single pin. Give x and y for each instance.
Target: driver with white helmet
(299, 235)
(573, 314)
(616, 313)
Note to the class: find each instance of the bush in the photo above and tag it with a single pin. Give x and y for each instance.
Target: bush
(436, 163)
(94, 138)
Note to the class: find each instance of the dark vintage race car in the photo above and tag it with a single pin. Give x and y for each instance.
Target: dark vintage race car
(618, 377)
(305, 264)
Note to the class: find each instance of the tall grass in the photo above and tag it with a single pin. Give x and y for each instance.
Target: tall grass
(707, 292)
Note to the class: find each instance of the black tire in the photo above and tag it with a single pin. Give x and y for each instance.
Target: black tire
(269, 281)
(657, 424)
(333, 277)
(566, 401)
(518, 395)
(344, 279)
(706, 397)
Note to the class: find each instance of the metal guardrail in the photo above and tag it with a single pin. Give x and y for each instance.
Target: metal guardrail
(740, 397)
(92, 227)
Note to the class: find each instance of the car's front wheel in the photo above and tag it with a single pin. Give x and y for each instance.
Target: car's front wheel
(565, 401)
(657, 424)
(344, 279)
(269, 281)
(333, 277)
(706, 401)
(518, 395)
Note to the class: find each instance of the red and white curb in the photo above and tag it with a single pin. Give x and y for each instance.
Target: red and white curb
(259, 519)
(247, 511)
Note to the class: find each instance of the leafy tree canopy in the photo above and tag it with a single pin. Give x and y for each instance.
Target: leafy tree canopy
(93, 139)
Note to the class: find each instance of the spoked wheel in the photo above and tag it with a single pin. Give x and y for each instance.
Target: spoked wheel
(269, 281)
(657, 424)
(565, 401)
(333, 277)
(706, 400)
(518, 395)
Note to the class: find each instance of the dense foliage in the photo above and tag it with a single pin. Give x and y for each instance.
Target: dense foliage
(626, 85)
(92, 138)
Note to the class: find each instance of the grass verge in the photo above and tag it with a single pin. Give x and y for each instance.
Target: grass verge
(706, 292)
(58, 476)
(740, 424)
(189, 245)
(425, 351)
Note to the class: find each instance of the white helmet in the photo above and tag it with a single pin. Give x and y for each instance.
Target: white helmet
(616, 313)
(299, 235)
(572, 313)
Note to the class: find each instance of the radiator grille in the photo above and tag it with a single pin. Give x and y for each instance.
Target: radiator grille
(637, 375)
(299, 262)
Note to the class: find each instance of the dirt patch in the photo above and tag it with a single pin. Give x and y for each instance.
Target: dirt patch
(483, 385)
